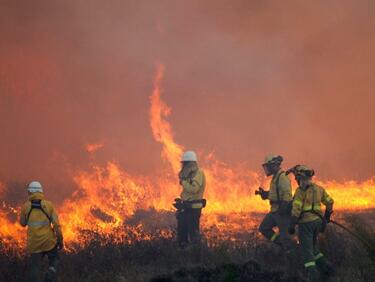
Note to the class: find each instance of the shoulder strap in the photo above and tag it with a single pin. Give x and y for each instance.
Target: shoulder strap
(36, 204)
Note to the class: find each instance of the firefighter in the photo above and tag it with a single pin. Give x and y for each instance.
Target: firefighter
(280, 197)
(307, 213)
(44, 237)
(189, 205)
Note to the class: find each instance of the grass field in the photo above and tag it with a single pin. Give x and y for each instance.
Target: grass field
(248, 259)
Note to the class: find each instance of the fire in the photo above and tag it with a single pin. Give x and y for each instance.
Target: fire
(161, 129)
(91, 148)
(109, 198)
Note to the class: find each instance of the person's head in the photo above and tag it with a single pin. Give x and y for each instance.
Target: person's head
(303, 175)
(189, 157)
(272, 164)
(34, 187)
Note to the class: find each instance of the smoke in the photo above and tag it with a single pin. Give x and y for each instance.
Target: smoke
(243, 79)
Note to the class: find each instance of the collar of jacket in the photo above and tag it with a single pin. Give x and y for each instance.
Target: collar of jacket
(36, 196)
(307, 187)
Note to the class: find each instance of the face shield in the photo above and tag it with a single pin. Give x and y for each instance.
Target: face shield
(271, 168)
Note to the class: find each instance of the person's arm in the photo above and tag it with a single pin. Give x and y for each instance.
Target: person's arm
(297, 204)
(296, 210)
(285, 188)
(328, 202)
(57, 228)
(23, 216)
(195, 185)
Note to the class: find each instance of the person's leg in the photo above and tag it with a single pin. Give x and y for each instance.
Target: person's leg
(194, 225)
(53, 262)
(266, 227)
(282, 222)
(182, 235)
(34, 267)
(306, 239)
(321, 262)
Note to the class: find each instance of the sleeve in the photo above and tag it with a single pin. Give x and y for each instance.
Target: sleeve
(297, 203)
(54, 217)
(195, 185)
(55, 222)
(327, 201)
(23, 216)
(285, 188)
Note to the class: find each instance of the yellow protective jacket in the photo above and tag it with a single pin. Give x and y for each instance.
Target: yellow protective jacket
(41, 236)
(281, 182)
(194, 189)
(307, 202)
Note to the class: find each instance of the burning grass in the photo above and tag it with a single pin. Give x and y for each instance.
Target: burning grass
(246, 258)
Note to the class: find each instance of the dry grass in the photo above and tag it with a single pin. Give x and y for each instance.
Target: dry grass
(159, 260)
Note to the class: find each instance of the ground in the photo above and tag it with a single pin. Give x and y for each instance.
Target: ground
(250, 259)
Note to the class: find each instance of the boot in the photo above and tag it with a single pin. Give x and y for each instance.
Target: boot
(50, 274)
(325, 267)
(313, 274)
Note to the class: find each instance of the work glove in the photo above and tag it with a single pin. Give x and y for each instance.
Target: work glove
(60, 243)
(178, 204)
(292, 225)
(263, 194)
(327, 215)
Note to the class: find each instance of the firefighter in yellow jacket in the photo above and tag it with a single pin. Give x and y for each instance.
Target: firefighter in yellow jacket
(191, 202)
(280, 197)
(307, 213)
(44, 237)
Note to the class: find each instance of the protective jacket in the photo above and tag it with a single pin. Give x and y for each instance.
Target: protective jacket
(280, 190)
(43, 225)
(307, 203)
(193, 188)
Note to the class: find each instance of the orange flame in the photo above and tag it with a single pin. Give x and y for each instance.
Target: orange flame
(161, 129)
(91, 148)
(108, 197)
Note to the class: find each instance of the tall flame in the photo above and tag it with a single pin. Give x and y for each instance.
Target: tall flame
(109, 197)
(161, 129)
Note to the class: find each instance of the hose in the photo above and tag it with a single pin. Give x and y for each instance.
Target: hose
(364, 242)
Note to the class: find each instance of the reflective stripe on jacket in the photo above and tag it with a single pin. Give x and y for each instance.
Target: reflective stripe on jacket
(285, 190)
(194, 189)
(308, 200)
(40, 234)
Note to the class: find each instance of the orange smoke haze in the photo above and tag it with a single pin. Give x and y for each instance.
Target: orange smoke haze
(108, 197)
(244, 79)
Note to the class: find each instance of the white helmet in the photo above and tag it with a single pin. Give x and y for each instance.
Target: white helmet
(189, 156)
(34, 187)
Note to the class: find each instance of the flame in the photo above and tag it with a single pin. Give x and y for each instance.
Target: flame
(91, 148)
(109, 198)
(161, 129)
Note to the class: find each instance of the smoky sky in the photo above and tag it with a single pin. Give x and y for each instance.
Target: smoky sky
(243, 79)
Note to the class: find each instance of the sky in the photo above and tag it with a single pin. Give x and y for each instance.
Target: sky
(243, 79)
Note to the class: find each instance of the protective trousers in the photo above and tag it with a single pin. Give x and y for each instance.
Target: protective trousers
(272, 220)
(188, 226)
(35, 264)
(308, 238)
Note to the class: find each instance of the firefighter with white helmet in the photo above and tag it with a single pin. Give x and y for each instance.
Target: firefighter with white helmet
(307, 213)
(44, 237)
(189, 205)
(280, 196)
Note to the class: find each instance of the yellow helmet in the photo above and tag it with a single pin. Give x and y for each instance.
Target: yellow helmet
(301, 170)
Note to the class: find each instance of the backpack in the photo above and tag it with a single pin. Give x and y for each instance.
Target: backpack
(37, 204)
